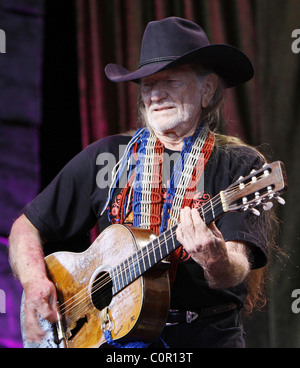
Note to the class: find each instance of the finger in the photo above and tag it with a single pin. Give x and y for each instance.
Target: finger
(197, 220)
(187, 226)
(179, 234)
(186, 218)
(48, 311)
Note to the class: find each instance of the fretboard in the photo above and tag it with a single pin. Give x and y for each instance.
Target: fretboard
(151, 254)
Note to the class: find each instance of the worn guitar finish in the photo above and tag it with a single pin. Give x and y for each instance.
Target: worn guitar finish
(130, 310)
(121, 285)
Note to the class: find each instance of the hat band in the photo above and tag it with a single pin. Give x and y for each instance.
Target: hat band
(157, 60)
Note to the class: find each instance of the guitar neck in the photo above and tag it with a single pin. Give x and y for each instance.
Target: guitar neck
(158, 249)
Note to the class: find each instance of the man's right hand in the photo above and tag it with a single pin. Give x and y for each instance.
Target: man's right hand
(40, 302)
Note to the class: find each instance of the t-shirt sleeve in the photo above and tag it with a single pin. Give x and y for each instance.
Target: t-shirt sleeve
(245, 226)
(64, 208)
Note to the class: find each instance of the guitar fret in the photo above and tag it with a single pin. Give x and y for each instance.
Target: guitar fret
(114, 280)
(135, 265)
(207, 210)
(165, 252)
(141, 261)
(160, 250)
(127, 271)
(202, 213)
(157, 251)
(173, 240)
(212, 209)
(120, 277)
(152, 255)
(149, 260)
(123, 272)
(131, 269)
(168, 250)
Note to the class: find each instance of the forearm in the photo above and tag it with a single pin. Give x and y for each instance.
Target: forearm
(229, 270)
(27, 261)
(26, 251)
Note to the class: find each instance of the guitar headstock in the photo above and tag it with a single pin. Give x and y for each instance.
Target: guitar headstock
(261, 187)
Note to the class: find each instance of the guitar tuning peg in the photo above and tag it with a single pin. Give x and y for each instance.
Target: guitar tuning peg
(280, 200)
(255, 212)
(267, 206)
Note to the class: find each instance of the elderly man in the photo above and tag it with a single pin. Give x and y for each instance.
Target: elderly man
(182, 79)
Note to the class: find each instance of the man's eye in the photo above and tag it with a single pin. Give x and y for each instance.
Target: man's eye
(174, 82)
(146, 87)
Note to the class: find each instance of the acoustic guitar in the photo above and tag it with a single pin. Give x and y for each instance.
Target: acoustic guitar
(120, 283)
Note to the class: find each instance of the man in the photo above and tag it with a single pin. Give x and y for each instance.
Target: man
(182, 79)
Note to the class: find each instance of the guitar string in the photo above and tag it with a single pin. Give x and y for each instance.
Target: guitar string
(108, 279)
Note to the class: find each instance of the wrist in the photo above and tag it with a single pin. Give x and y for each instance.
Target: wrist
(227, 273)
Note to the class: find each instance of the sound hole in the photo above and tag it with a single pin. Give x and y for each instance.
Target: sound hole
(101, 291)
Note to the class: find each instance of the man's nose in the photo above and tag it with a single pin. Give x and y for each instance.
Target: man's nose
(158, 92)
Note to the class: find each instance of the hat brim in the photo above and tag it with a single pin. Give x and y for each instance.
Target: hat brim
(228, 62)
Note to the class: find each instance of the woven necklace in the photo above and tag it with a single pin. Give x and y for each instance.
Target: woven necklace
(147, 198)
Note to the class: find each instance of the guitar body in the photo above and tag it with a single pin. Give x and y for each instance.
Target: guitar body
(136, 313)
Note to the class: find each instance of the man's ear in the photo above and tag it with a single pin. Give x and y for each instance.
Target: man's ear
(209, 86)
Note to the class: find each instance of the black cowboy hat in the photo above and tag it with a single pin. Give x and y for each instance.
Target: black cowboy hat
(175, 41)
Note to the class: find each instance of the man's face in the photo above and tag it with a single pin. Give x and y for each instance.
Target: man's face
(172, 100)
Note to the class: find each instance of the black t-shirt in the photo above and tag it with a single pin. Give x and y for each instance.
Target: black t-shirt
(71, 205)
